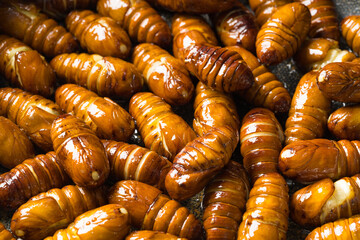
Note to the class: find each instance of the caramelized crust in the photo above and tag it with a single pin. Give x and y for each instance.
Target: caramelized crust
(5, 234)
(350, 27)
(344, 123)
(99, 34)
(80, 151)
(149, 209)
(161, 130)
(106, 76)
(263, 9)
(29, 178)
(152, 235)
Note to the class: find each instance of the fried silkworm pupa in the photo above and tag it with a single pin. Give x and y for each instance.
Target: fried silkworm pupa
(15, 146)
(218, 68)
(341, 229)
(33, 176)
(165, 75)
(80, 151)
(264, 9)
(237, 26)
(32, 113)
(308, 161)
(131, 162)
(344, 123)
(282, 35)
(104, 117)
(315, 53)
(149, 209)
(267, 91)
(50, 211)
(324, 21)
(224, 202)
(161, 130)
(97, 34)
(309, 111)
(106, 76)
(25, 68)
(350, 31)
(190, 30)
(267, 209)
(199, 161)
(139, 19)
(213, 109)
(26, 23)
(6, 235)
(152, 235)
(191, 6)
(340, 81)
(261, 138)
(326, 201)
(107, 222)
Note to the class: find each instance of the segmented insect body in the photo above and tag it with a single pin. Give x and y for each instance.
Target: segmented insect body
(50, 211)
(344, 123)
(152, 235)
(237, 26)
(104, 117)
(29, 178)
(282, 35)
(264, 9)
(80, 151)
(25, 68)
(5, 234)
(26, 23)
(139, 19)
(309, 111)
(15, 146)
(98, 34)
(218, 68)
(32, 113)
(131, 162)
(149, 209)
(326, 201)
(107, 76)
(312, 160)
(166, 76)
(199, 161)
(107, 222)
(340, 81)
(267, 91)
(261, 138)
(341, 229)
(350, 31)
(162, 130)
(213, 109)
(224, 202)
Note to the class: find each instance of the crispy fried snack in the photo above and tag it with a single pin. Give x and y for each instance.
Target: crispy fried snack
(131, 162)
(282, 35)
(267, 91)
(309, 111)
(149, 209)
(344, 123)
(33, 176)
(199, 161)
(161, 130)
(33, 113)
(152, 235)
(308, 161)
(107, 222)
(104, 117)
(139, 19)
(267, 209)
(26, 23)
(224, 202)
(107, 76)
(165, 75)
(326, 201)
(264, 9)
(15, 146)
(261, 138)
(350, 31)
(5, 234)
(213, 109)
(98, 34)
(80, 151)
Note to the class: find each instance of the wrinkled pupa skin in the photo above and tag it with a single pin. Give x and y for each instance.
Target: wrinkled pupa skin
(152, 235)
(344, 123)
(263, 9)
(350, 31)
